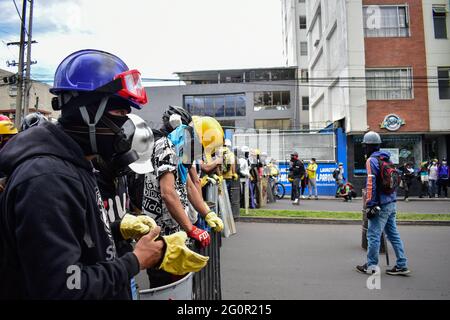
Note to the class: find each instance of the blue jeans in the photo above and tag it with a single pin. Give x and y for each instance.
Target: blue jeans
(432, 188)
(386, 221)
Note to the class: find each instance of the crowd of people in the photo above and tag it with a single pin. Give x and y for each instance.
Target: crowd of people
(88, 201)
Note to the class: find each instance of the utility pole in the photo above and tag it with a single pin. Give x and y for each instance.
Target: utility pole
(29, 62)
(18, 118)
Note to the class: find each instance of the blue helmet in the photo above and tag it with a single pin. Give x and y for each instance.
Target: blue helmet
(87, 70)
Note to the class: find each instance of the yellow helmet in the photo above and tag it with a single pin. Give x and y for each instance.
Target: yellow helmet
(210, 133)
(7, 126)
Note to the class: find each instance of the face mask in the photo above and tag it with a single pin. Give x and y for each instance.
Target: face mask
(444, 163)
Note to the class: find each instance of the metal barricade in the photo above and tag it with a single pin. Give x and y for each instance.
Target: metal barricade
(207, 282)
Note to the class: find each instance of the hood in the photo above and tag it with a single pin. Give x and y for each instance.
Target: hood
(46, 139)
(382, 154)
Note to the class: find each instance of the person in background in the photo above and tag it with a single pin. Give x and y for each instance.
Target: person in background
(381, 209)
(312, 174)
(296, 171)
(345, 192)
(433, 177)
(407, 177)
(424, 179)
(338, 176)
(443, 175)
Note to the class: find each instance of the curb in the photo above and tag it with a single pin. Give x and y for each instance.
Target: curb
(335, 221)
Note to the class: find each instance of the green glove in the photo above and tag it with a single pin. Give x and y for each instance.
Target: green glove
(214, 221)
(178, 258)
(136, 226)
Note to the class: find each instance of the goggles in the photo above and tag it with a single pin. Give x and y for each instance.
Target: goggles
(132, 87)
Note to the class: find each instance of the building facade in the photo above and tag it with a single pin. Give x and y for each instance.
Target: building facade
(40, 97)
(381, 65)
(245, 98)
(295, 49)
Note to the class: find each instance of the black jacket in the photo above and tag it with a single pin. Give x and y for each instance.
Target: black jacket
(296, 169)
(53, 226)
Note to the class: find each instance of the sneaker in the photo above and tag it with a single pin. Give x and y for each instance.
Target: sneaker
(309, 198)
(406, 200)
(316, 198)
(303, 197)
(295, 202)
(396, 271)
(363, 269)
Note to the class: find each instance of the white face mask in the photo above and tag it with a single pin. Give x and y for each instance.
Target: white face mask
(444, 163)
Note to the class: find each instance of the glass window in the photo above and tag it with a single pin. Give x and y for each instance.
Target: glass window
(188, 103)
(230, 110)
(303, 48)
(219, 103)
(269, 124)
(272, 100)
(305, 103)
(199, 106)
(305, 75)
(386, 21)
(302, 22)
(286, 99)
(209, 106)
(444, 82)
(240, 105)
(440, 22)
(389, 84)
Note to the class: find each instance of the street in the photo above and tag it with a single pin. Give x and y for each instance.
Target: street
(293, 261)
(413, 206)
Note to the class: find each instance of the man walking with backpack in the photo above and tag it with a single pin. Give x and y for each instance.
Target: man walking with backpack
(381, 206)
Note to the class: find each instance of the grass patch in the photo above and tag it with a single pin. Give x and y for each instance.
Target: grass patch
(338, 215)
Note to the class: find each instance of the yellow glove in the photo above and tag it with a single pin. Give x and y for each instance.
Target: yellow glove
(235, 176)
(290, 179)
(219, 179)
(204, 181)
(136, 226)
(178, 258)
(214, 221)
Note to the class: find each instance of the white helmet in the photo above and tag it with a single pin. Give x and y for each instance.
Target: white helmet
(227, 143)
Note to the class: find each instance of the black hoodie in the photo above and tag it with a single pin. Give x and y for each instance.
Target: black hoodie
(55, 240)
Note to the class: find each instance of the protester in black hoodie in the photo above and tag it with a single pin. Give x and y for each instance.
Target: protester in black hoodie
(55, 238)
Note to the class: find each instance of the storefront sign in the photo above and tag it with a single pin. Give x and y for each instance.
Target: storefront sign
(392, 122)
(326, 184)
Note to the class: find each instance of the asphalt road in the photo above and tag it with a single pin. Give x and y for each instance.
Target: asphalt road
(428, 206)
(293, 261)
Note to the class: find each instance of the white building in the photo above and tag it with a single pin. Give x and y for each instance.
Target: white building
(295, 50)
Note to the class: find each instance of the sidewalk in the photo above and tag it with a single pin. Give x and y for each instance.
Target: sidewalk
(333, 204)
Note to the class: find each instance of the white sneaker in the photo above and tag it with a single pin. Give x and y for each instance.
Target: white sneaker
(295, 201)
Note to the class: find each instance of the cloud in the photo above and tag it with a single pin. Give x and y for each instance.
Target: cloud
(158, 37)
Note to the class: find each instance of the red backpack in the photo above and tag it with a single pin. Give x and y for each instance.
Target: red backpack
(389, 176)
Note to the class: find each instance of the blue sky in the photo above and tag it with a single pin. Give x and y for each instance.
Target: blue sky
(157, 37)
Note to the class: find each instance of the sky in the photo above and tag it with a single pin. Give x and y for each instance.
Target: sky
(157, 37)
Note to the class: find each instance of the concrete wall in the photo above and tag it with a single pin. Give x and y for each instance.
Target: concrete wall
(337, 55)
(161, 97)
(437, 55)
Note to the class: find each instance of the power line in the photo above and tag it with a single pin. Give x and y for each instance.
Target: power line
(20, 17)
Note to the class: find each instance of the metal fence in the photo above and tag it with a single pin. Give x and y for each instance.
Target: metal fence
(206, 282)
(279, 145)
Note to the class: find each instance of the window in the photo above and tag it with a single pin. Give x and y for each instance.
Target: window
(440, 22)
(389, 84)
(272, 100)
(303, 48)
(270, 124)
(302, 22)
(305, 103)
(386, 21)
(12, 90)
(444, 82)
(229, 105)
(305, 75)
